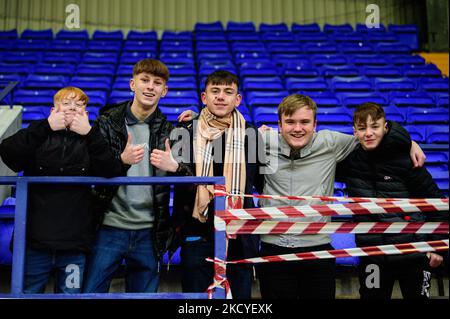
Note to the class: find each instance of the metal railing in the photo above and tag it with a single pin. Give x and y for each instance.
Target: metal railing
(7, 90)
(20, 221)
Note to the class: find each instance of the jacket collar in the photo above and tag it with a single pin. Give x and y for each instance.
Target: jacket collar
(287, 151)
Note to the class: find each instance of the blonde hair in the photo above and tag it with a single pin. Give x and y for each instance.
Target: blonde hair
(293, 102)
(69, 90)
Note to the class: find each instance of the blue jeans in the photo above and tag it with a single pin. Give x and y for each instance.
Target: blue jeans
(114, 245)
(39, 264)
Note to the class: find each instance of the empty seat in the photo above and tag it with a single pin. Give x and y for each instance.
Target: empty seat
(394, 84)
(363, 28)
(82, 35)
(142, 35)
(441, 178)
(62, 57)
(396, 114)
(436, 157)
(262, 84)
(108, 35)
(172, 113)
(233, 26)
(294, 85)
(407, 34)
(243, 37)
(8, 35)
(320, 47)
(90, 83)
(344, 241)
(354, 99)
(356, 48)
(339, 70)
(269, 100)
(329, 59)
(68, 45)
(22, 57)
(324, 99)
(334, 115)
(417, 133)
(276, 27)
(435, 84)
(428, 115)
(305, 28)
(182, 83)
(394, 48)
(437, 133)
(311, 38)
(402, 59)
(417, 99)
(209, 27)
(38, 81)
(134, 57)
(16, 68)
(96, 99)
(342, 128)
(120, 96)
(100, 58)
(35, 113)
(104, 46)
(27, 45)
(278, 37)
(46, 34)
(179, 101)
(351, 84)
(34, 97)
(248, 69)
(381, 71)
(124, 70)
(177, 36)
(96, 69)
(265, 115)
(364, 60)
(140, 46)
(425, 70)
(338, 28)
(442, 100)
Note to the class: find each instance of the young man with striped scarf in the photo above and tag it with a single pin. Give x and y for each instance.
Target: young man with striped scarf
(220, 143)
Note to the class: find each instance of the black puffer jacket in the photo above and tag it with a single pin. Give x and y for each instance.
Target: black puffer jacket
(387, 172)
(60, 217)
(112, 125)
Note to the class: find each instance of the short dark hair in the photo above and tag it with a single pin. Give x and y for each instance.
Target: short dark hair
(363, 111)
(151, 66)
(222, 77)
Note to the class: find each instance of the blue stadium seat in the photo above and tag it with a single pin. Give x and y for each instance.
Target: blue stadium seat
(182, 83)
(9, 35)
(320, 47)
(92, 83)
(381, 71)
(34, 97)
(362, 28)
(417, 133)
(210, 47)
(338, 70)
(179, 101)
(257, 102)
(22, 57)
(35, 113)
(121, 83)
(96, 99)
(7, 45)
(172, 113)
(428, 115)
(124, 70)
(442, 180)
(436, 157)
(353, 48)
(311, 38)
(233, 26)
(140, 46)
(104, 46)
(342, 241)
(338, 28)
(46, 34)
(243, 37)
(134, 57)
(393, 113)
(442, 100)
(355, 99)
(394, 48)
(342, 128)
(407, 34)
(305, 28)
(96, 70)
(402, 59)
(38, 81)
(6, 230)
(16, 68)
(416, 99)
(173, 55)
(243, 57)
(365, 60)
(68, 45)
(120, 96)
(181, 70)
(394, 84)
(334, 115)
(324, 99)
(381, 37)
(272, 83)
(276, 27)
(99, 58)
(6, 78)
(437, 134)
(30, 45)
(107, 35)
(82, 35)
(142, 35)
(258, 69)
(434, 84)
(215, 56)
(177, 46)
(351, 84)
(351, 37)
(292, 70)
(264, 115)
(329, 59)
(294, 85)
(209, 27)
(207, 37)
(62, 57)
(426, 70)
(182, 94)
(241, 47)
(280, 36)
(177, 36)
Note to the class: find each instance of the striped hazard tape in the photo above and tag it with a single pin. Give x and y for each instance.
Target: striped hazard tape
(237, 227)
(408, 248)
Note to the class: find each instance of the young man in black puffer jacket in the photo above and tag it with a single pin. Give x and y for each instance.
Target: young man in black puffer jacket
(61, 221)
(380, 167)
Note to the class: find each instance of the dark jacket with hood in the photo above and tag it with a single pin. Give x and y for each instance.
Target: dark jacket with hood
(388, 172)
(60, 217)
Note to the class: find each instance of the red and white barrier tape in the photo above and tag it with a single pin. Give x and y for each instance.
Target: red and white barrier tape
(237, 227)
(330, 210)
(220, 191)
(417, 247)
(219, 279)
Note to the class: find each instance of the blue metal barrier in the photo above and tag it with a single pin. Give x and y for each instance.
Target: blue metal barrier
(18, 262)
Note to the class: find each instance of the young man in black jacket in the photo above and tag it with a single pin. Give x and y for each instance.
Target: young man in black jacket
(61, 222)
(137, 225)
(218, 143)
(379, 167)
